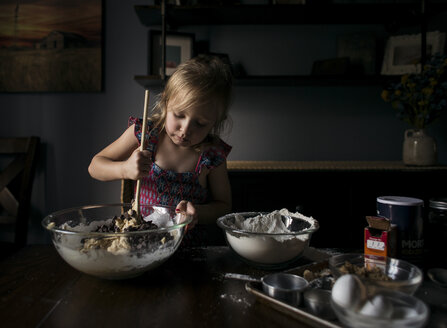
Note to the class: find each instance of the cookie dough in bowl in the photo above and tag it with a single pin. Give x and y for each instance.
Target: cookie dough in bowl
(107, 241)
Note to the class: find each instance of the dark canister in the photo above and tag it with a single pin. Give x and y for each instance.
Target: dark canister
(436, 233)
(407, 214)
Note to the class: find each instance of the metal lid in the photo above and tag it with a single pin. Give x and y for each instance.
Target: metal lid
(399, 200)
(439, 203)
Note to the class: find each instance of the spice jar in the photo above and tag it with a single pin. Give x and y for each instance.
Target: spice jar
(436, 233)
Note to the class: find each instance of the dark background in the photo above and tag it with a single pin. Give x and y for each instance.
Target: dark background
(300, 123)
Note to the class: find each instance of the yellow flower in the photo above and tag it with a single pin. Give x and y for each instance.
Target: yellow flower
(404, 78)
(420, 97)
(427, 91)
(395, 104)
(433, 81)
(422, 103)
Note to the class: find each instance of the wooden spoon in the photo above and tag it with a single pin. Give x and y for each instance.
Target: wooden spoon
(136, 204)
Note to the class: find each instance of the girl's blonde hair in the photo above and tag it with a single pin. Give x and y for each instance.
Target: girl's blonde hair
(204, 80)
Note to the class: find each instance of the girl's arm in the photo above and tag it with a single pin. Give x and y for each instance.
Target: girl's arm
(219, 186)
(122, 159)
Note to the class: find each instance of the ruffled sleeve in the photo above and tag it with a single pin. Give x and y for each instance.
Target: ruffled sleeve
(151, 138)
(215, 155)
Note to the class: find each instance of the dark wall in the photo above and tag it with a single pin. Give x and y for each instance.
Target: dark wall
(269, 123)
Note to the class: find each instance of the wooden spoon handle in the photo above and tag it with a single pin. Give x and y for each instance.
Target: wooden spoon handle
(136, 205)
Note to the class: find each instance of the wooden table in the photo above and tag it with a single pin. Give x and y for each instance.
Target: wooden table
(38, 289)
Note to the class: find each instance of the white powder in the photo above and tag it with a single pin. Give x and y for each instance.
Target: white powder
(269, 247)
(162, 220)
(270, 223)
(102, 263)
(235, 299)
(82, 227)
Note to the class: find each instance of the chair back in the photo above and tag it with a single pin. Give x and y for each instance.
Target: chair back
(17, 167)
(127, 191)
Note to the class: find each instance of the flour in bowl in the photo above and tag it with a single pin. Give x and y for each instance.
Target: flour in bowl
(272, 238)
(273, 222)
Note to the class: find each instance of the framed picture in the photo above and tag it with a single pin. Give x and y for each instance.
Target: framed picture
(179, 48)
(333, 66)
(403, 52)
(360, 48)
(47, 46)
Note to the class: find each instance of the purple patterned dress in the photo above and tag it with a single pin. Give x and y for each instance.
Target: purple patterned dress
(168, 188)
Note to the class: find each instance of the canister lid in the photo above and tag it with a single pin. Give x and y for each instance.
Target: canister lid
(399, 200)
(438, 203)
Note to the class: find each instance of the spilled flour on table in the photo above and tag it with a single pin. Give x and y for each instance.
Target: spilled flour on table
(235, 299)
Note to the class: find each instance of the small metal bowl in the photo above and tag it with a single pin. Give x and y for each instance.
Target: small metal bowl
(405, 277)
(318, 302)
(438, 276)
(285, 287)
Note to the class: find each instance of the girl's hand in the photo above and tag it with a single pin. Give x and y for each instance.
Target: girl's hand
(187, 207)
(138, 165)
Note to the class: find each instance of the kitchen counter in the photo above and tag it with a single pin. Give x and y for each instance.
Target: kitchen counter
(329, 166)
(38, 289)
(339, 194)
(311, 166)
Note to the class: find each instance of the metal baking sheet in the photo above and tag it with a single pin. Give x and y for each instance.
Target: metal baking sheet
(314, 267)
(298, 313)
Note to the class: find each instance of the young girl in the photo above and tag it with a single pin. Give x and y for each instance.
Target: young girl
(183, 163)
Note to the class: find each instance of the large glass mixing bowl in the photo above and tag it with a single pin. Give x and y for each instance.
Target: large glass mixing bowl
(115, 255)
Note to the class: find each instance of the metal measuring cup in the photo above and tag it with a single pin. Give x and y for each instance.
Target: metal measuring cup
(285, 287)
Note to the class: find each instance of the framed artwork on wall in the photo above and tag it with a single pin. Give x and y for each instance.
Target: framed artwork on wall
(403, 52)
(51, 46)
(179, 48)
(360, 48)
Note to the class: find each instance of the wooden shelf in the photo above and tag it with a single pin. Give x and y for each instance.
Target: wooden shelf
(148, 81)
(328, 166)
(360, 13)
(301, 80)
(313, 80)
(390, 14)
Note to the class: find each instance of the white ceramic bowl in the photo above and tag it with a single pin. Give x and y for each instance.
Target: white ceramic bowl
(267, 250)
(114, 255)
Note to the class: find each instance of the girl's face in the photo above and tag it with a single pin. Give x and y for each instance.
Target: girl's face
(189, 127)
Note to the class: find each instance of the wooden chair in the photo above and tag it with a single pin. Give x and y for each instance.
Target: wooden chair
(17, 167)
(127, 191)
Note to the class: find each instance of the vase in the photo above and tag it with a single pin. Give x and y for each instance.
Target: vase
(419, 148)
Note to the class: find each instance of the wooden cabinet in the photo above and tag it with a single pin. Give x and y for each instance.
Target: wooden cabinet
(391, 15)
